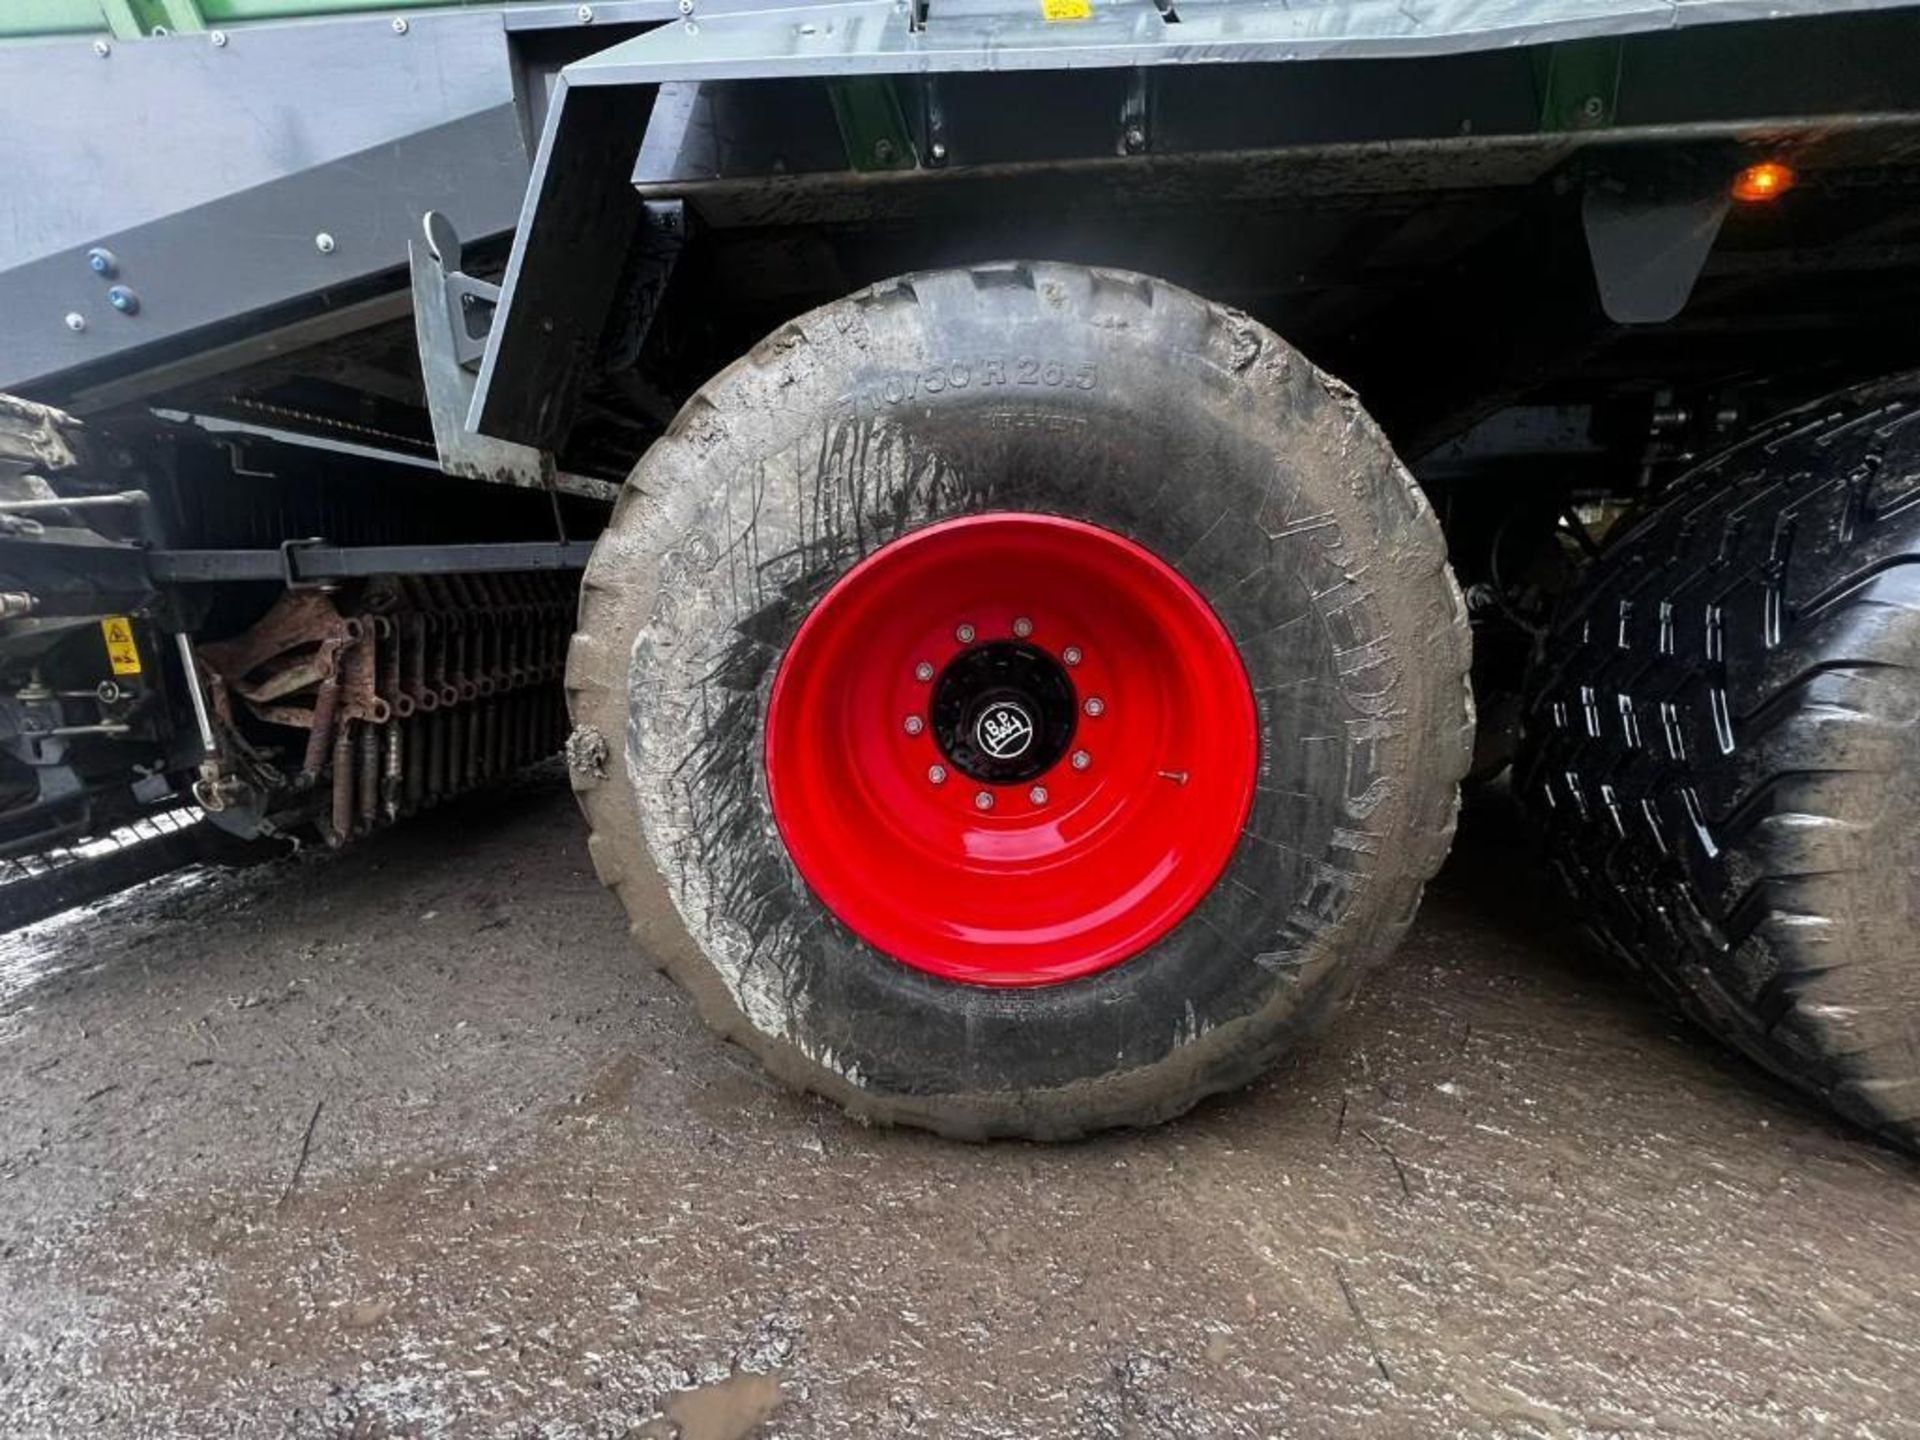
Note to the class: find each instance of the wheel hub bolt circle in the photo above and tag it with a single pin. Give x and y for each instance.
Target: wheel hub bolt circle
(1071, 655)
(1023, 627)
(983, 801)
(1038, 794)
(964, 634)
(915, 724)
(923, 672)
(937, 774)
(1081, 760)
(1095, 706)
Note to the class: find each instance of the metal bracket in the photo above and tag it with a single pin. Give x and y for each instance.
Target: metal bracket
(872, 126)
(1580, 84)
(470, 305)
(933, 122)
(453, 314)
(1136, 128)
(290, 571)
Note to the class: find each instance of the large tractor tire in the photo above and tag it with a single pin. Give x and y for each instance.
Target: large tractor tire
(1019, 700)
(1723, 745)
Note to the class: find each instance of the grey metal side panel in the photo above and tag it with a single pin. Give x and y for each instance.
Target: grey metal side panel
(875, 37)
(96, 145)
(212, 186)
(255, 250)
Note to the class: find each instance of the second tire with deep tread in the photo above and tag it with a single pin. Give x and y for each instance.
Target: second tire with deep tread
(1722, 742)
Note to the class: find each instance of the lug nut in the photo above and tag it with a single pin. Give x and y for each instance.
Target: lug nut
(964, 634)
(1038, 795)
(1095, 706)
(1023, 627)
(937, 774)
(1081, 760)
(923, 672)
(1071, 654)
(983, 801)
(915, 724)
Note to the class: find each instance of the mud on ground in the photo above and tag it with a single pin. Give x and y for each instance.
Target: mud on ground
(405, 1140)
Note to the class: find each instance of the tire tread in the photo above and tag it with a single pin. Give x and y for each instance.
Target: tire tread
(1776, 697)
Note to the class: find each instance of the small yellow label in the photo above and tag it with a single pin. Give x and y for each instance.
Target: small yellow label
(1066, 9)
(122, 654)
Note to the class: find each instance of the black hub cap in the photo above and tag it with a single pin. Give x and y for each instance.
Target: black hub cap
(1003, 712)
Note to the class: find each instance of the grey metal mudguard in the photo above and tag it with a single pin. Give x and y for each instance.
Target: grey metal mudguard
(238, 181)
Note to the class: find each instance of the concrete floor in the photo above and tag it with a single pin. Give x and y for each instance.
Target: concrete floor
(1505, 1196)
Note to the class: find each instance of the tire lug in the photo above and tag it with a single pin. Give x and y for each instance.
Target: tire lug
(1071, 655)
(1095, 706)
(964, 634)
(1023, 627)
(1081, 760)
(937, 774)
(915, 724)
(983, 801)
(1038, 794)
(923, 672)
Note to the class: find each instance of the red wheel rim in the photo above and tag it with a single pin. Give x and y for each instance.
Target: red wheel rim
(913, 809)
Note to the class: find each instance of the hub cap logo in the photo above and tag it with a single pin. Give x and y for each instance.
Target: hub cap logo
(1004, 730)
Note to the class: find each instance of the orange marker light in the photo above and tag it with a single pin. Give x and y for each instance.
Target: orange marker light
(1768, 180)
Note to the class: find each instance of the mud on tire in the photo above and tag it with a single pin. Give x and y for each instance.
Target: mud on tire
(1722, 743)
(1102, 396)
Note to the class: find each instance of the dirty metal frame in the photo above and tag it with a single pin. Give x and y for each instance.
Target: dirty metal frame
(583, 201)
(411, 689)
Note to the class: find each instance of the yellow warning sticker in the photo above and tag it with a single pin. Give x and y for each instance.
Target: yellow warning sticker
(122, 654)
(1066, 9)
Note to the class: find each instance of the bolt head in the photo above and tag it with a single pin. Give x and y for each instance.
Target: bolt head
(938, 150)
(219, 39)
(1095, 706)
(400, 25)
(983, 801)
(1593, 107)
(937, 774)
(1081, 760)
(102, 49)
(1038, 794)
(686, 7)
(923, 672)
(1071, 655)
(324, 243)
(76, 322)
(124, 300)
(915, 724)
(964, 634)
(1023, 627)
(585, 12)
(1136, 137)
